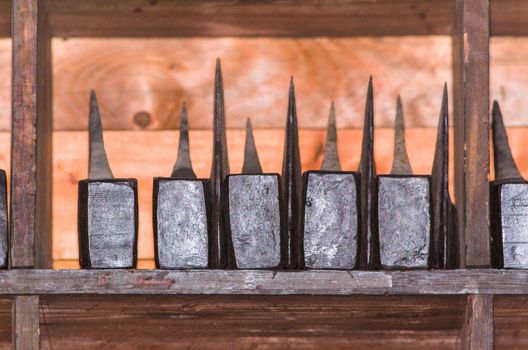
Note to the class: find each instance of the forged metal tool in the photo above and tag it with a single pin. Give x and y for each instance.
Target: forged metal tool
(253, 213)
(180, 212)
(331, 210)
(219, 170)
(444, 239)
(508, 203)
(108, 208)
(4, 226)
(369, 257)
(291, 191)
(402, 214)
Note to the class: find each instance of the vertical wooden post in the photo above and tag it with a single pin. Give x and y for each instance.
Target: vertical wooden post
(471, 109)
(26, 333)
(477, 331)
(31, 137)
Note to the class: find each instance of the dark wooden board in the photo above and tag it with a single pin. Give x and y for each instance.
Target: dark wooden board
(511, 322)
(166, 322)
(315, 282)
(471, 116)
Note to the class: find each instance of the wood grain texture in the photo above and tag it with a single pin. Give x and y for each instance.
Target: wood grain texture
(156, 152)
(26, 331)
(143, 18)
(156, 75)
(477, 331)
(510, 316)
(263, 282)
(31, 138)
(471, 91)
(293, 322)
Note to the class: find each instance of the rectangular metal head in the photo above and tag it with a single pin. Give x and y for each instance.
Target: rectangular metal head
(108, 223)
(253, 220)
(402, 219)
(509, 224)
(331, 219)
(4, 232)
(182, 222)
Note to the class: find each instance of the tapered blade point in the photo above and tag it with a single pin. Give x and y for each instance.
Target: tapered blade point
(183, 167)
(251, 159)
(98, 167)
(400, 164)
(505, 167)
(331, 155)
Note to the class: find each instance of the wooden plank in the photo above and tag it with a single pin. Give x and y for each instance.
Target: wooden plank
(26, 331)
(510, 316)
(141, 83)
(508, 17)
(252, 282)
(161, 18)
(301, 322)
(477, 331)
(471, 91)
(31, 138)
(156, 151)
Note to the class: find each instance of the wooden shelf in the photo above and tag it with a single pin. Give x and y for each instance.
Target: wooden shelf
(317, 282)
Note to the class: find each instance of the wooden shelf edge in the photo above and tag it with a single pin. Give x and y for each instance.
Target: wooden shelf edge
(316, 282)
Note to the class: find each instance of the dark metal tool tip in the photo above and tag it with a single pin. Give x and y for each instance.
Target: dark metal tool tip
(400, 164)
(505, 167)
(291, 183)
(98, 167)
(183, 167)
(219, 170)
(251, 158)
(331, 155)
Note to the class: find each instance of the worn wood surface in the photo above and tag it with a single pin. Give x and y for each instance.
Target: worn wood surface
(477, 330)
(312, 282)
(31, 141)
(510, 316)
(156, 75)
(300, 322)
(471, 109)
(98, 18)
(26, 333)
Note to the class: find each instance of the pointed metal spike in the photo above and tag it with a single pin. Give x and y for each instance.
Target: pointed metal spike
(369, 254)
(400, 164)
(251, 159)
(291, 183)
(505, 167)
(219, 170)
(98, 167)
(441, 201)
(331, 156)
(183, 167)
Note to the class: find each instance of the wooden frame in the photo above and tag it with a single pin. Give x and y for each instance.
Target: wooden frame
(35, 22)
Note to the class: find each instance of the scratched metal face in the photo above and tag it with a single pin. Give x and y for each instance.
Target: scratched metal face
(3, 219)
(514, 221)
(404, 221)
(182, 224)
(330, 221)
(254, 218)
(111, 224)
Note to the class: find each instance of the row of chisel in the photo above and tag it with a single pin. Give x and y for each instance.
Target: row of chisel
(324, 219)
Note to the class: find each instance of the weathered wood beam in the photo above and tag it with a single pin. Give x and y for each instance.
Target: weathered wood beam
(477, 330)
(25, 323)
(31, 137)
(471, 107)
(263, 282)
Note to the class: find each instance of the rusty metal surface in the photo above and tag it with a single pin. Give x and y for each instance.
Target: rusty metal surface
(331, 220)
(404, 220)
